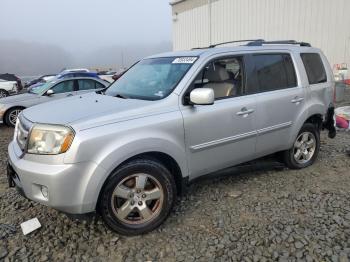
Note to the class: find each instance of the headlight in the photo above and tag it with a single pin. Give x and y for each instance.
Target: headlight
(49, 139)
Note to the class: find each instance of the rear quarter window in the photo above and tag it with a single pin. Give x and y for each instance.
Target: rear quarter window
(314, 67)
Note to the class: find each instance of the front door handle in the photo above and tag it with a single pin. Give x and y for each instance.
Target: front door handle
(245, 112)
(297, 100)
(69, 95)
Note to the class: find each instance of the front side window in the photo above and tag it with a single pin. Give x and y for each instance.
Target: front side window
(224, 76)
(314, 68)
(274, 72)
(151, 79)
(63, 87)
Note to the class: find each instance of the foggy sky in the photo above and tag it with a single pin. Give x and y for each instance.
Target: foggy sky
(80, 32)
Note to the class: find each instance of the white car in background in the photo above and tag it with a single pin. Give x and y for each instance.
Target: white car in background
(75, 70)
(7, 88)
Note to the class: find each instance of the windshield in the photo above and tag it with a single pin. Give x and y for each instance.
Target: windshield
(151, 79)
(40, 88)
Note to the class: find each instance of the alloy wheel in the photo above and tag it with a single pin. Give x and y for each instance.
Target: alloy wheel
(304, 147)
(137, 199)
(13, 115)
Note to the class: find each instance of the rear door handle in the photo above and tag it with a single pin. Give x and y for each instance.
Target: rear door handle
(69, 95)
(297, 100)
(245, 112)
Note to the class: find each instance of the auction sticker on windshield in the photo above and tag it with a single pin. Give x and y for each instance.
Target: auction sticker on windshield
(185, 60)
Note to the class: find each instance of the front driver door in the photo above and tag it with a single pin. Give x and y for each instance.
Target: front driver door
(223, 134)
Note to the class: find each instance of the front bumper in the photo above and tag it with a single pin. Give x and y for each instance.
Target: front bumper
(72, 188)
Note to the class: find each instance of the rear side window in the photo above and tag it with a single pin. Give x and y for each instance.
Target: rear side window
(274, 72)
(314, 68)
(86, 84)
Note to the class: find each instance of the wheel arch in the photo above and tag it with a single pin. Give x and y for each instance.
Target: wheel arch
(312, 114)
(168, 161)
(316, 119)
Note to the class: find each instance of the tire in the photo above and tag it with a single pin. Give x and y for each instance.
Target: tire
(3, 93)
(131, 209)
(305, 149)
(11, 116)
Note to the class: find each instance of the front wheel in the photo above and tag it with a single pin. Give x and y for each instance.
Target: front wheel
(305, 148)
(138, 197)
(12, 115)
(3, 93)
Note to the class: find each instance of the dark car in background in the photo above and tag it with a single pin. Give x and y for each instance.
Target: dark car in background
(41, 79)
(65, 75)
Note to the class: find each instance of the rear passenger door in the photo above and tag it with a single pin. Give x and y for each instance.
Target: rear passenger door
(280, 100)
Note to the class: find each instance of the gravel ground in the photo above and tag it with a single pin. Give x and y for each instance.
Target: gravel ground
(266, 215)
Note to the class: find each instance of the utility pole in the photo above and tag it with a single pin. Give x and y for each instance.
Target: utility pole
(209, 21)
(122, 54)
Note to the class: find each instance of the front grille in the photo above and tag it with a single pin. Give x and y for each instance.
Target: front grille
(23, 128)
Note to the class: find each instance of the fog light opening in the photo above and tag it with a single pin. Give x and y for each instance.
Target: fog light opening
(45, 191)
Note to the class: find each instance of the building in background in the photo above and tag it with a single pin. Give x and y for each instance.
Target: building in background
(323, 23)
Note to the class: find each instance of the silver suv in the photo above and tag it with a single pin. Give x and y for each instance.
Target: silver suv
(129, 151)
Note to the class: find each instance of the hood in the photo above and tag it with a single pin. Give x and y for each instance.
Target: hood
(18, 98)
(89, 110)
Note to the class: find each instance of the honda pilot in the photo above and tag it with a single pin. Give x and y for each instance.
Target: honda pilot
(127, 152)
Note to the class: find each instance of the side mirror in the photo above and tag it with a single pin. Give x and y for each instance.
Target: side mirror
(202, 96)
(50, 92)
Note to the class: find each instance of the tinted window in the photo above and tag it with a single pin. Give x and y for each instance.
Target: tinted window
(86, 84)
(63, 87)
(274, 72)
(314, 68)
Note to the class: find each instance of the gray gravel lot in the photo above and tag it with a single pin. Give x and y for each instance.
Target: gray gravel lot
(271, 215)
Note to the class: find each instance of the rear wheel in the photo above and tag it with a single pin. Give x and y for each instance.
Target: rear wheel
(305, 148)
(11, 116)
(3, 93)
(138, 197)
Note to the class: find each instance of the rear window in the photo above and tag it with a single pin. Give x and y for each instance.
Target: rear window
(274, 72)
(314, 67)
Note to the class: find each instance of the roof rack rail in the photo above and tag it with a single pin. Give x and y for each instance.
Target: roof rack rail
(230, 42)
(283, 42)
(237, 41)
